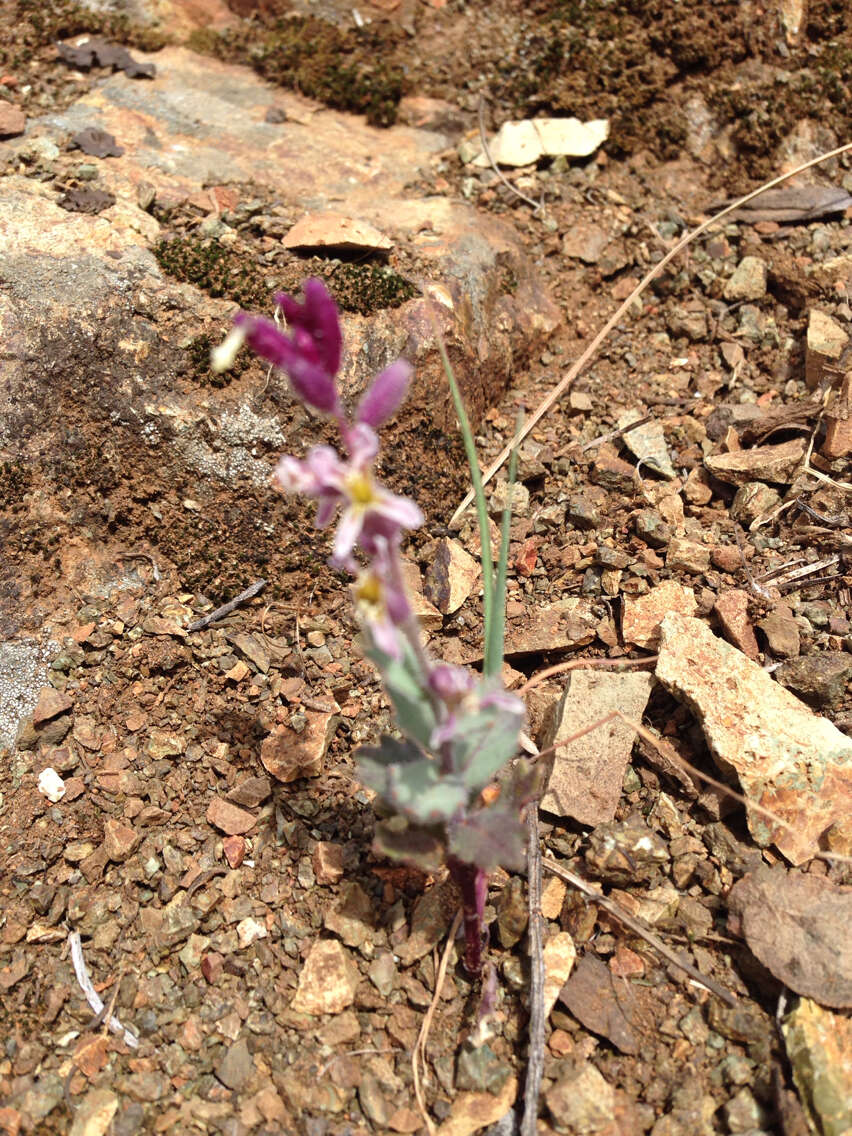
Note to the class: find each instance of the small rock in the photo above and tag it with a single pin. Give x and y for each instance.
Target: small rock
(383, 973)
(838, 417)
(93, 1114)
(641, 620)
(696, 489)
(51, 785)
(783, 754)
(748, 281)
(775, 464)
(251, 792)
(161, 743)
(520, 499)
(650, 527)
(480, 1069)
(327, 862)
(687, 556)
(582, 514)
(51, 702)
(821, 679)
(12, 120)
(782, 632)
(120, 840)
(249, 931)
(585, 242)
(234, 848)
(582, 1102)
(559, 955)
(352, 916)
(818, 1044)
(327, 981)
(229, 818)
(731, 609)
(647, 443)
(512, 912)
(727, 558)
(471, 1112)
(613, 474)
(450, 576)
(753, 501)
(288, 755)
(336, 231)
(826, 342)
(690, 322)
(236, 1067)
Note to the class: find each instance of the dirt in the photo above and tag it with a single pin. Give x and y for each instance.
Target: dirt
(164, 721)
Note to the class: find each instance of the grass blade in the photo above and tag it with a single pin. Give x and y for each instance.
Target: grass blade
(497, 629)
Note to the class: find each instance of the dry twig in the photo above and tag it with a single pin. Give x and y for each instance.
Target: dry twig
(228, 607)
(538, 1023)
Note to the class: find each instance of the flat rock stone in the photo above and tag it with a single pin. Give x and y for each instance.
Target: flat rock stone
(775, 464)
(559, 954)
(12, 120)
(93, 1114)
(782, 633)
(236, 1067)
(818, 1045)
(50, 703)
(352, 916)
(821, 679)
(327, 981)
(647, 442)
(337, 232)
(229, 818)
(798, 926)
(787, 759)
(450, 576)
(640, 622)
(588, 773)
(120, 840)
(582, 1102)
(288, 755)
(250, 792)
(471, 1112)
(731, 609)
(825, 343)
(601, 1003)
(748, 281)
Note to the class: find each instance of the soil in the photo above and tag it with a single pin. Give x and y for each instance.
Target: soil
(164, 721)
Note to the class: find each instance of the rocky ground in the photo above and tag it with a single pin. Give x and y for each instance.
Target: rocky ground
(263, 969)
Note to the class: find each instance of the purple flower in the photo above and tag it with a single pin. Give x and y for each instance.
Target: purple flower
(372, 517)
(298, 355)
(385, 394)
(316, 321)
(381, 602)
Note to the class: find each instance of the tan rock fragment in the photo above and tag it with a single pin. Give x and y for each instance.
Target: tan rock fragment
(732, 611)
(288, 755)
(425, 612)
(450, 576)
(328, 980)
(582, 1101)
(818, 1044)
(336, 231)
(93, 1114)
(838, 432)
(12, 120)
(588, 773)
(560, 955)
(50, 704)
(775, 464)
(640, 623)
(327, 862)
(788, 759)
(825, 344)
(229, 818)
(471, 1112)
(120, 840)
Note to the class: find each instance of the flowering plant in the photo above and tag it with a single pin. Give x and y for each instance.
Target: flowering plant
(458, 730)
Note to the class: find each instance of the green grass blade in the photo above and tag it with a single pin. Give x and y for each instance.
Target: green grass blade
(486, 558)
(497, 629)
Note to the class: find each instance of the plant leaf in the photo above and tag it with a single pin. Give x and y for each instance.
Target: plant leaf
(484, 741)
(490, 838)
(411, 783)
(414, 844)
(496, 631)
(404, 684)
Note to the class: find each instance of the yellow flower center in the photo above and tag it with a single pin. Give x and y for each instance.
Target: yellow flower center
(368, 589)
(360, 489)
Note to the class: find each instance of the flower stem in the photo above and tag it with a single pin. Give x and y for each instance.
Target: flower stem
(472, 882)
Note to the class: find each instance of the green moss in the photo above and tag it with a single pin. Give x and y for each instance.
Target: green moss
(367, 288)
(39, 24)
(216, 270)
(198, 360)
(348, 70)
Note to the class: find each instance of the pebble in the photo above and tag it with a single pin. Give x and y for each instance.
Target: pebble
(120, 840)
(782, 632)
(731, 608)
(229, 818)
(236, 1066)
(752, 501)
(642, 616)
(821, 680)
(748, 281)
(687, 556)
(327, 862)
(12, 120)
(480, 1069)
(650, 527)
(327, 981)
(512, 912)
(50, 704)
(582, 1101)
(250, 792)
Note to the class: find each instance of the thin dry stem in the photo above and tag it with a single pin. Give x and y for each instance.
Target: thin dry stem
(538, 1021)
(623, 308)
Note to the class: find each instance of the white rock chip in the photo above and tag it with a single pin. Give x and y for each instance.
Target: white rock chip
(51, 785)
